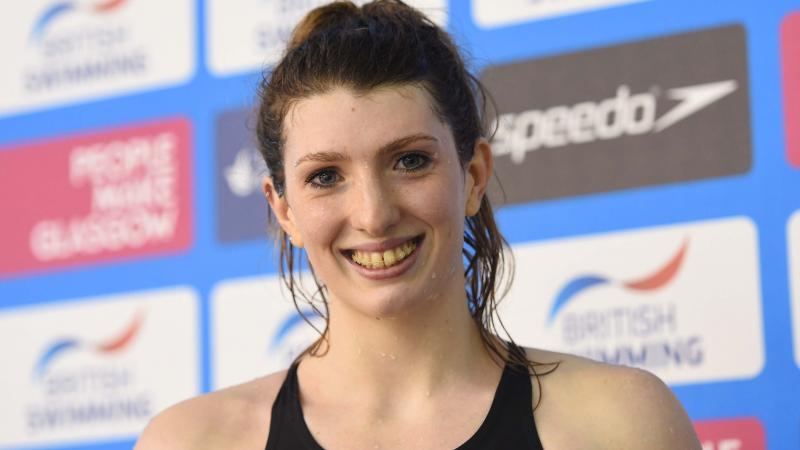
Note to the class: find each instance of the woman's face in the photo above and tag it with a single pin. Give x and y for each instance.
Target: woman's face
(376, 195)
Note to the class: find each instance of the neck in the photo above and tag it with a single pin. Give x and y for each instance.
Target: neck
(418, 353)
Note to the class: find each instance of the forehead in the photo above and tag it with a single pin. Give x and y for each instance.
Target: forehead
(342, 119)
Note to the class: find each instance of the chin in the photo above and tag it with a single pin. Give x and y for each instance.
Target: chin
(391, 302)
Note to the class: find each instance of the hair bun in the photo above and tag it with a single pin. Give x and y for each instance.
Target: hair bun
(323, 18)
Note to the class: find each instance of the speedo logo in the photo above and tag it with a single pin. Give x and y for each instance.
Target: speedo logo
(625, 114)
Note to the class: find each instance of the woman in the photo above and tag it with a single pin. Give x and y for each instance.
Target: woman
(372, 131)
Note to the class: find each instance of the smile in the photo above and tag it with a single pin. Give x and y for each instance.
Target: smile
(384, 259)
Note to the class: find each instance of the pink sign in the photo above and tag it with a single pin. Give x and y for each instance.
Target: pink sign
(743, 433)
(96, 197)
(790, 54)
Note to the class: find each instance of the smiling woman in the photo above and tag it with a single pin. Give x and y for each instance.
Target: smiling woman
(372, 131)
(378, 208)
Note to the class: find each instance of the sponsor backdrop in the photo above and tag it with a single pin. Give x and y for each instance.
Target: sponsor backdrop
(649, 153)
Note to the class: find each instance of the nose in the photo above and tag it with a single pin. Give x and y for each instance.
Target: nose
(373, 206)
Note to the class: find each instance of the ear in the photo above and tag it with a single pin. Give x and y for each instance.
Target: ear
(283, 212)
(478, 173)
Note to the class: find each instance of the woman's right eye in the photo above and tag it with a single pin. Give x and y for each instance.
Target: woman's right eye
(324, 178)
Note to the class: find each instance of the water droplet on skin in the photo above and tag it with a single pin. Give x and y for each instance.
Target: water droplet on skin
(427, 393)
(383, 355)
(392, 356)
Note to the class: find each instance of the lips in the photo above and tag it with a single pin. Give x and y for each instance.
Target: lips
(383, 256)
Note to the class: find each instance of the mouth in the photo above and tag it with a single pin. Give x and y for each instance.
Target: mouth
(384, 258)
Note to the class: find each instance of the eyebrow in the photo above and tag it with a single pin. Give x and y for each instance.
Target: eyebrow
(332, 156)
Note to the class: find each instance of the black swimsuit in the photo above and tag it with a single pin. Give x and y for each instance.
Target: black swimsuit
(509, 424)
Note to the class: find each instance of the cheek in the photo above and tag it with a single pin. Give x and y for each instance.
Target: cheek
(317, 221)
(439, 202)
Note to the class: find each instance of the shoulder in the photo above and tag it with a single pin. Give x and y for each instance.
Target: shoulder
(610, 406)
(235, 417)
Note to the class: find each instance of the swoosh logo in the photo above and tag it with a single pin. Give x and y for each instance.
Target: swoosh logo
(68, 345)
(62, 8)
(693, 99)
(290, 324)
(651, 282)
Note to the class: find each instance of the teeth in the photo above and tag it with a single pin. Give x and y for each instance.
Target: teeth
(377, 260)
(380, 260)
(388, 257)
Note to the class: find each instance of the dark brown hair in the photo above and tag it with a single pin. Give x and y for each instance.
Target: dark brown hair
(387, 43)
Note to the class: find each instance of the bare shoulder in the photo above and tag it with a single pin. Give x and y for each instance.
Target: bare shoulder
(231, 418)
(611, 406)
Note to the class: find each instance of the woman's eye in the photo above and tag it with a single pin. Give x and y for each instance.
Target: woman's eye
(323, 178)
(412, 162)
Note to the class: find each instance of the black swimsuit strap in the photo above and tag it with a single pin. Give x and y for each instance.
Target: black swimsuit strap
(287, 427)
(509, 424)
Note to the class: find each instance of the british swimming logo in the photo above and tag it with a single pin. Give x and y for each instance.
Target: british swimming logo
(650, 319)
(246, 36)
(65, 51)
(293, 333)
(672, 299)
(96, 369)
(61, 9)
(64, 346)
(256, 329)
(651, 282)
(85, 381)
(290, 324)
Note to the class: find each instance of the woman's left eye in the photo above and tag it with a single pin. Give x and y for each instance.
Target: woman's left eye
(412, 161)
